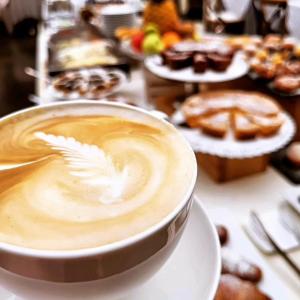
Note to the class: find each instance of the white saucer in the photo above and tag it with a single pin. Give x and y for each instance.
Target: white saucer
(237, 69)
(186, 275)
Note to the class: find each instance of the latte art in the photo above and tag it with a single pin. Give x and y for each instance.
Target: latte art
(96, 179)
(90, 163)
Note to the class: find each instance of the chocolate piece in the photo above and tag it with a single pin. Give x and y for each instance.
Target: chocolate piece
(218, 63)
(179, 61)
(200, 63)
(223, 234)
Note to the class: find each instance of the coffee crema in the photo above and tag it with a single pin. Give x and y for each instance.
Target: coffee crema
(96, 180)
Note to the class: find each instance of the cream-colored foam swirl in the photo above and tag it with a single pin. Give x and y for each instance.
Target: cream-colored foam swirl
(44, 206)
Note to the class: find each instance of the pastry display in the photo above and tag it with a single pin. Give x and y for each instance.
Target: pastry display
(233, 288)
(92, 83)
(246, 114)
(276, 61)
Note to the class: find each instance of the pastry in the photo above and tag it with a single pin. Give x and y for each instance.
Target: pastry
(287, 83)
(218, 62)
(240, 267)
(293, 153)
(216, 125)
(268, 125)
(249, 114)
(233, 288)
(200, 63)
(289, 44)
(222, 234)
(264, 70)
(290, 68)
(166, 55)
(257, 104)
(243, 127)
(179, 61)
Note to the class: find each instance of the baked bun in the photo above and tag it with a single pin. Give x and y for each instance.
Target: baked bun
(293, 153)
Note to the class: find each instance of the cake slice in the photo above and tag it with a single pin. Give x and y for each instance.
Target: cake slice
(216, 124)
(257, 104)
(268, 125)
(243, 127)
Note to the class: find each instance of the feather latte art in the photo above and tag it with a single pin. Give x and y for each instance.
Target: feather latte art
(97, 179)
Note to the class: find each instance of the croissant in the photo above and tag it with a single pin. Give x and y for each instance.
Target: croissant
(233, 288)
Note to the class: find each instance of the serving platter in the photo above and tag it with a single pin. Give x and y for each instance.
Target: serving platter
(238, 68)
(229, 147)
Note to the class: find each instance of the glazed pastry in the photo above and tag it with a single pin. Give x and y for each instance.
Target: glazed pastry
(287, 83)
(222, 234)
(200, 63)
(233, 288)
(293, 153)
(218, 62)
(216, 125)
(264, 70)
(239, 267)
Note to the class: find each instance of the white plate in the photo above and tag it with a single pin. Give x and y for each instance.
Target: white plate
(54, 94)
(230, 147)
(187, 274)
(239, 243)
(238, 68)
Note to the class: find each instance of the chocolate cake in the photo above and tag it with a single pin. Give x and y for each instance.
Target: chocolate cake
(200, 63)
(218, 62)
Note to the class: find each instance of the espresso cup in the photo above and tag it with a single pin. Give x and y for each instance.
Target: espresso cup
(108, 271)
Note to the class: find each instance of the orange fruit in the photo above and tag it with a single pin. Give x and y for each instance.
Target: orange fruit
(170, 38)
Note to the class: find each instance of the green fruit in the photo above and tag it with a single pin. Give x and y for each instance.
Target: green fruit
(152, 44)
(151, 28)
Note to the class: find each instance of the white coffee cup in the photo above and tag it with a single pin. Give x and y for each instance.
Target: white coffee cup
(105, 272)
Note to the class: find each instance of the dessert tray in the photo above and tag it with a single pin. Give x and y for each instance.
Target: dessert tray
(229, 147)
(87, 83)
(185, 276)
(238, 68)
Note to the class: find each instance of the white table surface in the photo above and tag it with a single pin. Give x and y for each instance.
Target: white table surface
(258, 192)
